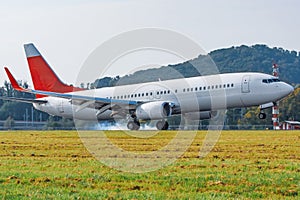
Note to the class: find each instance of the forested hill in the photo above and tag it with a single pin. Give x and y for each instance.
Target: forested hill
(257, 58)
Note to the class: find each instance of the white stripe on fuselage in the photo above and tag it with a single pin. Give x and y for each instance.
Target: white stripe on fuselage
(194, 94)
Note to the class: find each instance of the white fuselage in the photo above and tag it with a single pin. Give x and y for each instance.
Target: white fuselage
(197, 94)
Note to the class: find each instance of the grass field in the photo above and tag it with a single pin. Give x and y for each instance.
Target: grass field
(242, 165)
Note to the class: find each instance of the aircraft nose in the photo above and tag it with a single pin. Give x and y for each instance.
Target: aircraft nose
(287, 89)
(291, 89)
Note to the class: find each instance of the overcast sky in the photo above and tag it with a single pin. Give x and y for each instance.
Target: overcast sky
(66, 32)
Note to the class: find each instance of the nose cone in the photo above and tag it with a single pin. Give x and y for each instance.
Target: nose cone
(286, 89)
(291, 88)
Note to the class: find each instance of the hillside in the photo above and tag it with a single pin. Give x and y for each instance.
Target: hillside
(257, 58)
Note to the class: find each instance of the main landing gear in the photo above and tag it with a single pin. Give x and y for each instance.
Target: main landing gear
(133, 125)
(162, 125)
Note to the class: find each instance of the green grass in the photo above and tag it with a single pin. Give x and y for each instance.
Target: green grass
(242, 165)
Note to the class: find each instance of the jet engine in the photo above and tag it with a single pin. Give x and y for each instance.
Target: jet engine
(154, 110)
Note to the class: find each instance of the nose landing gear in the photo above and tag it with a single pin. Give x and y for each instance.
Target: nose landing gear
(262, 115)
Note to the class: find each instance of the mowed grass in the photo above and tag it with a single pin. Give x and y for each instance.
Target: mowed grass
(242, 165)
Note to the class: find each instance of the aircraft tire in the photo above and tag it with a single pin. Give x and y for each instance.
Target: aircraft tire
(162, 125)
(262, 115)
(133, 125)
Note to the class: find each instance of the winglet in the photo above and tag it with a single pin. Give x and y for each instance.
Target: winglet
(13, 81)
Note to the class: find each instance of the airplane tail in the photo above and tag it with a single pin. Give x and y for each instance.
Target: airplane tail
(43, 77)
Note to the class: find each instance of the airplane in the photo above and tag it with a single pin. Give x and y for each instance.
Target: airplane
(196, 98)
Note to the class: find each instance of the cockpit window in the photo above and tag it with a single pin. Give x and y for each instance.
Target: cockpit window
(271, 80)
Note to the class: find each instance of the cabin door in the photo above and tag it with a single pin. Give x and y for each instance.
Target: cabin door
(245, 84)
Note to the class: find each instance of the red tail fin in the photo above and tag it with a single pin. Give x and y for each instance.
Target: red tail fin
(43, 77)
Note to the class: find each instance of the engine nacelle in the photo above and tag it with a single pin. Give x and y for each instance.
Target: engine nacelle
(154, 110)
(201, 115)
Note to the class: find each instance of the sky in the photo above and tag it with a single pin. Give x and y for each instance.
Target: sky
(67, 31)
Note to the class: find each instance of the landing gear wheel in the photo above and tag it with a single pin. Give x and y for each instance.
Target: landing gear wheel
(262, 115)
(162, 125)
(133, 125)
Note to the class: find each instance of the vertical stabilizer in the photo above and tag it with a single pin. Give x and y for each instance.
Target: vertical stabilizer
(43, 77)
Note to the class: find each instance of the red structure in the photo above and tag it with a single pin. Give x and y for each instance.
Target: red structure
(275, 110)
(290, 125)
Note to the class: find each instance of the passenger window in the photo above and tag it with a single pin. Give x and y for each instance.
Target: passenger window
(204, 88)
(191, 89)
(196, 89)
(232, 85)
(183, 89)
(200, 88)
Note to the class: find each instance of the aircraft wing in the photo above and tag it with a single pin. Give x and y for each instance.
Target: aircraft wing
(83, 101)
(13, 81)
(83, 98)
(24, 100)
(16, 86)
